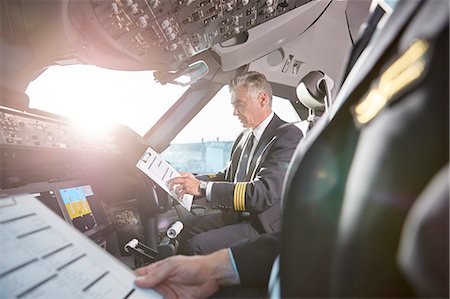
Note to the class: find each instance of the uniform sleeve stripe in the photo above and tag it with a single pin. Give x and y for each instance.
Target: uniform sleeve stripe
(239, 196)
(244, 185)
(235, 197)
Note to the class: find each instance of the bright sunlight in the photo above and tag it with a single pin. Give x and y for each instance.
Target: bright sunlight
(96, 97)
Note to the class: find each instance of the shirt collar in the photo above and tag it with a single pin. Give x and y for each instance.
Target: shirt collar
(259, 130)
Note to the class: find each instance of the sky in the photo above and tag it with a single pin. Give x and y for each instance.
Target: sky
(95, 97)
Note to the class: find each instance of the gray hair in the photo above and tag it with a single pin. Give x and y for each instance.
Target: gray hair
(255, 82)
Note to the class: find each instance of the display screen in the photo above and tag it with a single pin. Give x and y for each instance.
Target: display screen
(76, 201)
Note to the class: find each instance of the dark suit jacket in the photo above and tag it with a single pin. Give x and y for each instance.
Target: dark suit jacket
(261, 192)
(424, 246)
(353, 181)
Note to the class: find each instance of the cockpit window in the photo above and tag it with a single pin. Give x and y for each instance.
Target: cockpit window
(204, 145)
(97, 97)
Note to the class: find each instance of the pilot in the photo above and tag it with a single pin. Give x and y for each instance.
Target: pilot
(248, 191)
(352, 184)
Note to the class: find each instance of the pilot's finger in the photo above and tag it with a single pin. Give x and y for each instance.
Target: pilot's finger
(175, 181)
(141, 271)
(179, 189)
(181, 194)
(187, 175)
(160, 272)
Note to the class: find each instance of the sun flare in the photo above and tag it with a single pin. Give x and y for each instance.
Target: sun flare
(96, 98)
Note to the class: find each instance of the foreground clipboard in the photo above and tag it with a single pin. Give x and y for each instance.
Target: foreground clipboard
(41, 256)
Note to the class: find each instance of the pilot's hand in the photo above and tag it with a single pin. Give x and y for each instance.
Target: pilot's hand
(188, 276)
(186, 183)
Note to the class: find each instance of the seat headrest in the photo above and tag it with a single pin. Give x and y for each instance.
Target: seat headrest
(313, 88)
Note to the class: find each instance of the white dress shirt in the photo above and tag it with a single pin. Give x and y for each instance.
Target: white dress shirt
(257, 132)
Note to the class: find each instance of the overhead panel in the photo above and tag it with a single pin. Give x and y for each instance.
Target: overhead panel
(178, 29)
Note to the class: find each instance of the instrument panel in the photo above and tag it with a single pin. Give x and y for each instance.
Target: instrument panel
(27, 131)
(36, 148)
(178, 29)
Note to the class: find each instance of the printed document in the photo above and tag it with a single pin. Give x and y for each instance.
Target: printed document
(160, 171)
(41, 256)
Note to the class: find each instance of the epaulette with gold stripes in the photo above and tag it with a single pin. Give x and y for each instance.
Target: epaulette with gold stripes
(402, 73)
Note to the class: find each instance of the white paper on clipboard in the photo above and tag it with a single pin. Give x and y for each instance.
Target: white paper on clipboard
(44, 257)
(160, 171)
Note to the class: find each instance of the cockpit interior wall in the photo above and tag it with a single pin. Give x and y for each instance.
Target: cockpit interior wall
(281, 38)
(91, 180)
(308, 50)
(168, 36)
(124, 34)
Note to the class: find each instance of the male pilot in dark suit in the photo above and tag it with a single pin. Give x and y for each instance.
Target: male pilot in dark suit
(387, 136)
(252, 180)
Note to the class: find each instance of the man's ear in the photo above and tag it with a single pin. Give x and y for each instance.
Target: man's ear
(263, 100)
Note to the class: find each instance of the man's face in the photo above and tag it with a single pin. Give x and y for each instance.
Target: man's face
(247, 107)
